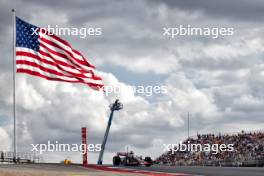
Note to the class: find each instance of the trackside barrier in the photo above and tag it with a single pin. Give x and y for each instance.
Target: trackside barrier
(22, 157)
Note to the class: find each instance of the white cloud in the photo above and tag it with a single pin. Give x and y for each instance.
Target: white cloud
(27, 96)
(61, 109)
(186, 97)
(5, 140)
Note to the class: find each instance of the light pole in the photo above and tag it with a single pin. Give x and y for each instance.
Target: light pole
(113, 107)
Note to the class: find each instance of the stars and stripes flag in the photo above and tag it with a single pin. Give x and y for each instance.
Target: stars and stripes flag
(43, 54)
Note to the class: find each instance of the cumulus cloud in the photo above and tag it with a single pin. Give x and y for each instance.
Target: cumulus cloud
(62, 108)
(185, 95)
(5, 142)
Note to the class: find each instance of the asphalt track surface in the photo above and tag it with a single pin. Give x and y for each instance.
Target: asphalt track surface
(91, 170)
(50, 167)
(207, 171)
(195, 171)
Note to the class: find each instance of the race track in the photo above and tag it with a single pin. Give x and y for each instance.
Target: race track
(206, 171)
(108, 170)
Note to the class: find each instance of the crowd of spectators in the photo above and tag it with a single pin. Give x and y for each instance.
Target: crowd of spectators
(248, 147)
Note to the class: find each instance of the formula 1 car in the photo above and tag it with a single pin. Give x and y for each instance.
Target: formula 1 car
(129, 159)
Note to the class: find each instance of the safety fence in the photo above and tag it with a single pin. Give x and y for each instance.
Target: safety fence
(21, 157)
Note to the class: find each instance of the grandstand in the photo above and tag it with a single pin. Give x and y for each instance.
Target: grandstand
(248, 151)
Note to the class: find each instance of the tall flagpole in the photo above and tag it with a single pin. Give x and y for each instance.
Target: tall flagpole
(14, 81)
(188, 123)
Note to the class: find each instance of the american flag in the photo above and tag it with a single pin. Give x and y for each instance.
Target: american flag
(41, 53)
